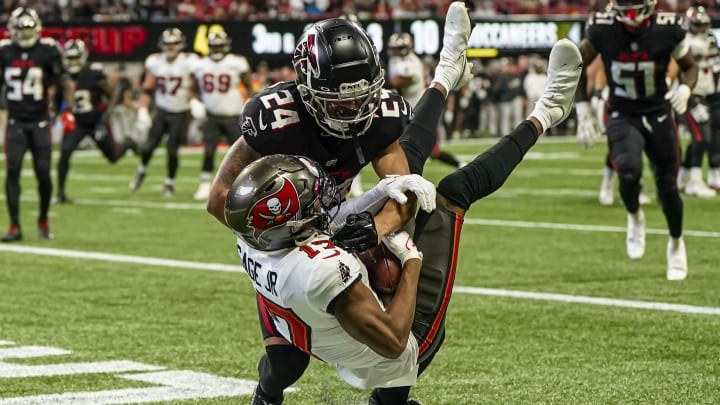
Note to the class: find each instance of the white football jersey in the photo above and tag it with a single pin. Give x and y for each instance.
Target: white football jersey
(700, 46)
(219, 84)
(409, 66)
(297, 285)
(172, 80)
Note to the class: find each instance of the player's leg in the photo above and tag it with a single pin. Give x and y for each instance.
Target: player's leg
(280, 366)
(178, 126)
(154, 137)
(103, 137)
(663, 149)
(41, 148)
(714, 151)
(212, 130)
(68, 145)
(443, 156)
(16, 143)
(606, 196)
(453, 72)
(699, 126)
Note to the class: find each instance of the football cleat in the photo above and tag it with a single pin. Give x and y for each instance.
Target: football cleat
(44, 230)
(168, 190)
(607, 191)
(682, 178)
(676, 259)
(635, 242)
(714, 179)
(13, 234)
(453, 70)
(137, 181)
(697, 188)
(203, 191)
(258, 399)
(564, 69)
(61, 198)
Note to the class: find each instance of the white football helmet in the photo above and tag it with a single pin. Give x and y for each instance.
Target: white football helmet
(171, 42)
(25, 27)
(75, 55)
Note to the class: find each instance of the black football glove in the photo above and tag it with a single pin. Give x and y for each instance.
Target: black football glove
(358, 233)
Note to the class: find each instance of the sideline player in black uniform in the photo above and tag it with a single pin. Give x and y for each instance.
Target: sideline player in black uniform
(337, 114)
(30, 65)
(636, 44)
(92, 91)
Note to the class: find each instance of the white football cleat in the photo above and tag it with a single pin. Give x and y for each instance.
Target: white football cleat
(635, 241)
(697, 188)
(676, 259)
(203, 191)
(682, 178)
(564, 69)
(607, 191)
(453, 70)
(714, 179)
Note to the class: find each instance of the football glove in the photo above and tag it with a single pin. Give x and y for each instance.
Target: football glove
(700, 112)
(678, 98)
(395, 186)
(588, 130)
(143, 121)
(67, 119)
(401, 245)
(358, 233)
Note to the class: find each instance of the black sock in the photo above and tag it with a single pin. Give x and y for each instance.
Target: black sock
(419, 137)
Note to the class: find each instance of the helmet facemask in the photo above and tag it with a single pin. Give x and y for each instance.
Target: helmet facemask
(25, 27)
(633, 13)
(698, 20)
(172, 42)
(219, 45)
(74, 56)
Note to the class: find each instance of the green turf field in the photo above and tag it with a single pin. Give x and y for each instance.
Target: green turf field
(140, 298)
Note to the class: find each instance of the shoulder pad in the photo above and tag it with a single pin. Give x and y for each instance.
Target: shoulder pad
(49, 41)
(5, 42)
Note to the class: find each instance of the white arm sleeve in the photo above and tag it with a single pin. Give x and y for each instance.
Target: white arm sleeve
(371, 200)
(681, 49)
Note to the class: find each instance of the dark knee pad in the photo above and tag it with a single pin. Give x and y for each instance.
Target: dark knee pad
(629, 168)
(390, 396)
(279, 368)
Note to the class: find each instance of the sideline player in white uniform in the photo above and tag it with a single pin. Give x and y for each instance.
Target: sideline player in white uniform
(406, 73)
(217, 77)
(168, 79)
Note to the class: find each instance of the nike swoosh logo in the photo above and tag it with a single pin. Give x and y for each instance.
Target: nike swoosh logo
(662, 118)
(260, 122)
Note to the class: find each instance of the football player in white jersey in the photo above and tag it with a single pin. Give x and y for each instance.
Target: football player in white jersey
(314, 293)
(218, 77)
(406, 73)
(168, 79)
(697, 116)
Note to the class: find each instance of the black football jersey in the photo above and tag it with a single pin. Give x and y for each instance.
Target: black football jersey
(276, 121)
(636, 61)
(27, 74)
(89, 104)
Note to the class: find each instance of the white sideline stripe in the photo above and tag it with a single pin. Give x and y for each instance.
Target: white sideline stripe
(111, 257)
(6, 343)
(582, 228)
(657, 306)
(579, 299)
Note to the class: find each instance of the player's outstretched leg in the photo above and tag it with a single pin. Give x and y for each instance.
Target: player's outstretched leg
(487, 172)
(453, 70)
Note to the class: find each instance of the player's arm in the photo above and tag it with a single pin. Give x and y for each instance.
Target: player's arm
(108, 90)
(384, 331)
(246, 79)
(689, 69)
(239, 155)
(588, 52)
(148, 88)
(392, 161)
(398, 82)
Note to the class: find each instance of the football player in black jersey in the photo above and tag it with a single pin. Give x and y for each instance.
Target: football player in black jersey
(94, 99)
(636, 44)
(30, 65)
(338, 114)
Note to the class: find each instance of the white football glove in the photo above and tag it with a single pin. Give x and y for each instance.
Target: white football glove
(588, 130)
(143, 121)
(597, 104)
(395, 187)
(678, 98)
(402, 246)
(701, 113)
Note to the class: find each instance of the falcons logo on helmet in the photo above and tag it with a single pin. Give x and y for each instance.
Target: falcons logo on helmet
(274, 210)
(305, 55)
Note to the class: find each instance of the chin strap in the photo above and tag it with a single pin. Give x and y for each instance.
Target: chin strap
(358, 149)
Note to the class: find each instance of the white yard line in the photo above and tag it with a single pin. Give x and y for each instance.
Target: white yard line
(577, 299)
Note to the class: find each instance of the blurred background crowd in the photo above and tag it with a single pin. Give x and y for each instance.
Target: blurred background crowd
(163, 10)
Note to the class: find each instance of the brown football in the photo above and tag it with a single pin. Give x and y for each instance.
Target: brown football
(384, 269)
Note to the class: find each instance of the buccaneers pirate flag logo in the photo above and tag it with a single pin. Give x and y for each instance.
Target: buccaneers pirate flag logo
(274, 210)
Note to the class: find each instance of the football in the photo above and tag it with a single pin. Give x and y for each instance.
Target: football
(383, 267)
